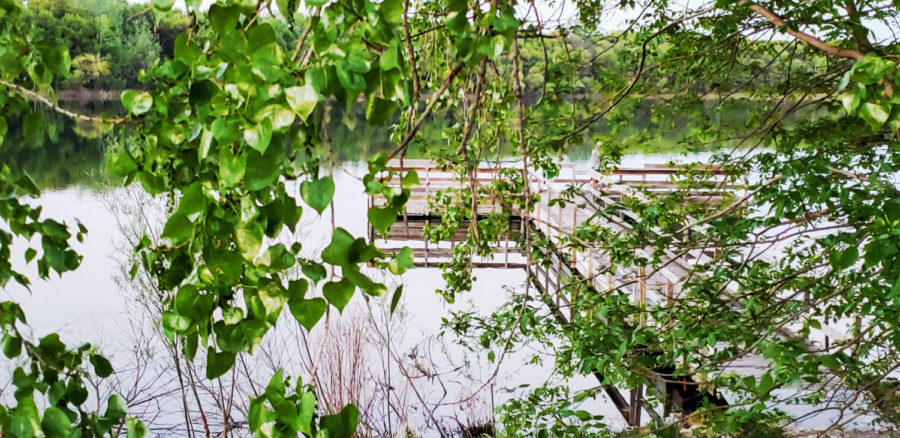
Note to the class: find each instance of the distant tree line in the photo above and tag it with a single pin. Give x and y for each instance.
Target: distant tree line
(109, 41)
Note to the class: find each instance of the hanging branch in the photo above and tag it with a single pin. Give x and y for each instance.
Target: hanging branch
(405, 143)
(44, 100)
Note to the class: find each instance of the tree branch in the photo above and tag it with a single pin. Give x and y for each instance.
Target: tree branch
(803, 36)
(434, 98)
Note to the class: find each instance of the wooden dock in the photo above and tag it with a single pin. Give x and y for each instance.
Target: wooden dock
(554, 221)
(586, 267)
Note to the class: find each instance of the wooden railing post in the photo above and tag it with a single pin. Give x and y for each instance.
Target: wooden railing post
(574, 228)
(506, 250)
(540, 193)
(642, 291)
(427, 210)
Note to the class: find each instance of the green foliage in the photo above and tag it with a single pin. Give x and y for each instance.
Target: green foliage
(235, 114)
(283, 410)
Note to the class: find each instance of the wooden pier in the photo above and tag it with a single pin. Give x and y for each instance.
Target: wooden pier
(586, 267)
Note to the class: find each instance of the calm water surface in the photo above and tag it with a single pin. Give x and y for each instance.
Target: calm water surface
(94, 304)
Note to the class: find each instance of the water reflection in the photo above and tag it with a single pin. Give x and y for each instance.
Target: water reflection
(402, 370)
(59, 152)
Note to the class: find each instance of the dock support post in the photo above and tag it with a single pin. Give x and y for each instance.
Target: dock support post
(590, 257)
(540, 192)
(506, 251)
(635, 406)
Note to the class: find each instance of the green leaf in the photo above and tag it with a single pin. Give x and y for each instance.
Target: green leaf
(287, 8)
(875, 114)
(363, 282)
(342, 424)
(12, 345)
(843, 259)
(319, 193)
(225, 131)
(303, 100)
(135, 428)
(307, 409)
(273, 296)
(389, 59)
(163, 5)
(831, 362)
(382, 218)
(258, 136)
(55, 229)
(871, 68)
(395, 300)
(392, 11)
(314, 271)
(121, 163)
(362, 252)
(223, 19)
(338, 251)
(297, 288)
(249, 238)
(278, 258)
(231, 167)
(137, 102)
(102, 366)
(232, 315)
(275, 388)
(51, 344)
(410, 179)
(263, 170)
(191, 304)
(256, 413)
(192, 201)
(56, 423)
(338, 293)
(178, 229)
(116, 408)
(402, 261)
(174, 322)
(308, 312)
(217, 364)
(191, 343)
(279, 117)
(25, 418)
(765, 383)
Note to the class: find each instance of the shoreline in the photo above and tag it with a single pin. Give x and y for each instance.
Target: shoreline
(86, 95)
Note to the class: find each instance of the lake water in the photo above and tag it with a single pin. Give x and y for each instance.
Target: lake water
(404, 370)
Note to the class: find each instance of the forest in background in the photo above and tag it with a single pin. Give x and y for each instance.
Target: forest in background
(111, 42)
